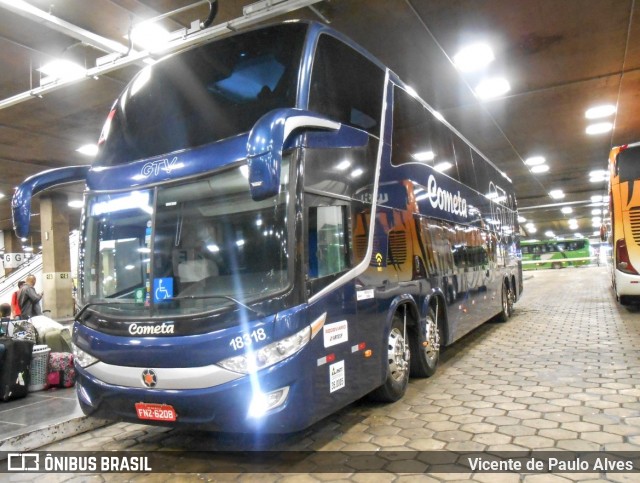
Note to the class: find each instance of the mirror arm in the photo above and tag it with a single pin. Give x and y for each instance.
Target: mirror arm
(21, 201)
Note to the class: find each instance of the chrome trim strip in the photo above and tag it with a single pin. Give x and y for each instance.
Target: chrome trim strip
(168, 377)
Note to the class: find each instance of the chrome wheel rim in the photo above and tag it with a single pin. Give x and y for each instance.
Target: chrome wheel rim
(398, 355)
(432, 338)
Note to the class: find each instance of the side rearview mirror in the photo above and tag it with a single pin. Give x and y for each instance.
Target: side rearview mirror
(266, 142)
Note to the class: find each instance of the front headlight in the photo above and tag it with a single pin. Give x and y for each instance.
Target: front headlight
(252, 361)
(83, 358)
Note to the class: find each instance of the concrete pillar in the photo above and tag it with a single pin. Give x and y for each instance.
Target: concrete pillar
(56, 265)
(13, 245)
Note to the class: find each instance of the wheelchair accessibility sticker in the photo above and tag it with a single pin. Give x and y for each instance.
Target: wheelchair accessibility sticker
(162, 289)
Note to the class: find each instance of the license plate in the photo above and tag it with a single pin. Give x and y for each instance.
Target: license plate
(156, 412)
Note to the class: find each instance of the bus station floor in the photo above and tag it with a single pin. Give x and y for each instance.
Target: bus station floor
(562, 374)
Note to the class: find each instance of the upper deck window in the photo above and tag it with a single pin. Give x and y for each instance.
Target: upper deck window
(203, 95)
(346, 86)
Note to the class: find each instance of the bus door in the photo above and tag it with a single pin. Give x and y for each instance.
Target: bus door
(338, 372)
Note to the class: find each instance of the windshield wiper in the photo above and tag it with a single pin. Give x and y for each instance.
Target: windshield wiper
(113, 302)
(225, 297)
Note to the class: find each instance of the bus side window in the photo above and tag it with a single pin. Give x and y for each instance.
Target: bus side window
(346, 86)
(328, 244)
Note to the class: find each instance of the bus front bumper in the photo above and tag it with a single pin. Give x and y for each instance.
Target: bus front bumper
(241, 405)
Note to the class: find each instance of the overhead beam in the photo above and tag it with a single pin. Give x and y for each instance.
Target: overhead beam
(26, 10)
(268, 11)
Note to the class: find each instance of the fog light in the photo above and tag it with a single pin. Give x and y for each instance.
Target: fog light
(262, 403)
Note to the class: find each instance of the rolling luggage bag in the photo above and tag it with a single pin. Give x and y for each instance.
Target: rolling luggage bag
(15, 362)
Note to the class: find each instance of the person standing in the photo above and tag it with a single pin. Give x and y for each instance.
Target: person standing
(15, 306)
(29, 299)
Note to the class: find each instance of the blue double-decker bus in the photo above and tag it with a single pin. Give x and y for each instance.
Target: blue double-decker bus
(275, 226)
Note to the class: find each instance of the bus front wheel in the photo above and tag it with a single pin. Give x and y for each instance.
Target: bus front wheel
(398, 357)
(425, 346)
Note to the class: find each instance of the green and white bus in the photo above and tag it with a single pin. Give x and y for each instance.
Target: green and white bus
(539, 254)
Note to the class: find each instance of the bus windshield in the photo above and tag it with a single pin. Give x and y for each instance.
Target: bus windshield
(185, 248)
(203, 95)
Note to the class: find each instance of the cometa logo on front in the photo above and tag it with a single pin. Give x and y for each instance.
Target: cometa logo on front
(445, 200)
(139, 329)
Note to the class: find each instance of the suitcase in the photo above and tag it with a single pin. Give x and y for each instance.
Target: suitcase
(15, 362)
(58, 339)
(62, 372)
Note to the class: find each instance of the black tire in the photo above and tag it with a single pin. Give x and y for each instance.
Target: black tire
(507, 303)
(424, 358)
(398, 358)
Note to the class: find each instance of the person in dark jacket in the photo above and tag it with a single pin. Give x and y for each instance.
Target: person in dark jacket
(29, 299)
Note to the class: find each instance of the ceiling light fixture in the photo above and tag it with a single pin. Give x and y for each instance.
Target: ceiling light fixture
(596, 198)
(556, 194)
(599, 128)
(492, 88)
(88, 149)
(534, 160)
(61, 69)
(541, 168)
(473, 57)
(443, 166)
(149, 36)
(521, 219)
(423, 156)
(597, 112)
(75, 204)
(566, 210)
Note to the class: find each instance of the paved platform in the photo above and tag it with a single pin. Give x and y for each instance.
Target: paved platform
(41, 418)
(562, 374)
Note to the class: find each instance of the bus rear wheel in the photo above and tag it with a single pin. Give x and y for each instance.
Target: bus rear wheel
(398, 357)
(507, 303)
(425, 346)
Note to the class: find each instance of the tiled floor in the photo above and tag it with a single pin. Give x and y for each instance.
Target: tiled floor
(38, 409)
(562, 374)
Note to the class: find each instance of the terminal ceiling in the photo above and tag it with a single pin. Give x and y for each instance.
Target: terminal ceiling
(559, 57)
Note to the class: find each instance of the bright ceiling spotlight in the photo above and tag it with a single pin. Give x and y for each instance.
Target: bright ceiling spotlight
(521, 219)
(423, 156)
(566, 210)
(492, 88)
(597, 112)
(535, 160)
(62, 69)
(473, 57)
(549, 234)
(149, 36)
(88, 149)
(443, 166)
(556, 194)
(599, 128)
(75, 204)
(541, 168)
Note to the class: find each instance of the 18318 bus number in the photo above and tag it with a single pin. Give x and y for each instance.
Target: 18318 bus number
(247, 339)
